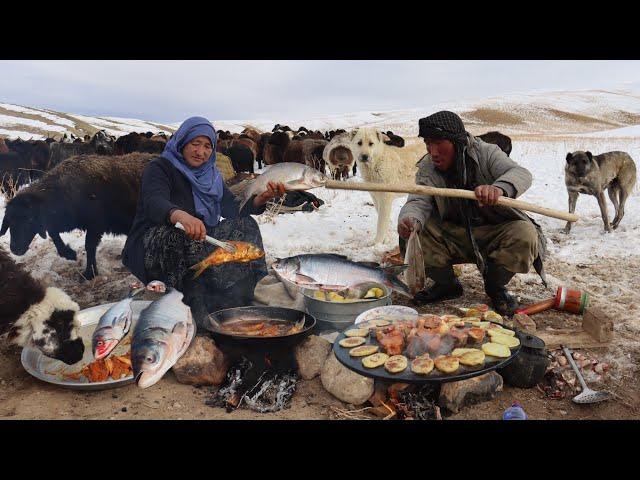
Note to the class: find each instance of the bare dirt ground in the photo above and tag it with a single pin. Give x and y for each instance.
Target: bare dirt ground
(615, 288)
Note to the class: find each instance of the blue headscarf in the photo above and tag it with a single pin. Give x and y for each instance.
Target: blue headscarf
(206, 180)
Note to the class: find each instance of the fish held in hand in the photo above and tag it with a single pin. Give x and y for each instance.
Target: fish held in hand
(334, 272)
(294, 176)
(245, 252)
(161, 336)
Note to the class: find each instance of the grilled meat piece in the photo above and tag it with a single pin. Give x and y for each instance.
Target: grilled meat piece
(391, 339)
(459, 335)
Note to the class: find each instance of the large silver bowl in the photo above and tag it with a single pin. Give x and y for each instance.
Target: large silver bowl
(50, 370)
(337, 316)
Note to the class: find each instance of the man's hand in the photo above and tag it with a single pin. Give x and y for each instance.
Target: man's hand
(274, 190)
(193, 227)
(488, 195)
(408, 225)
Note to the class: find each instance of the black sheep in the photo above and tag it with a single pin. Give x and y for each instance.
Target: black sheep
(498, 139)
(394, 140)
(136, 142)
(241, 157)
(97, 194)
(32, 314)
(100, 144)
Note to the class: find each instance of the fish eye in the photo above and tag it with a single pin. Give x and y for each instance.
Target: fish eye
(100, 343)
(150, 358)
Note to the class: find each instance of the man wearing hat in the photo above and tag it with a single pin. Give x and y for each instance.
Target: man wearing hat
(501, 241)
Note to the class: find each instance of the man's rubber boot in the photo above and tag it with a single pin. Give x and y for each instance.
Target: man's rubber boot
(495, 286)
(446, 286)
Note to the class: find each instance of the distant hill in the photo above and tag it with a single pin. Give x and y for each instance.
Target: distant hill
(546, 113)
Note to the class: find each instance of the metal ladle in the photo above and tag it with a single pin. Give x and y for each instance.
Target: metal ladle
(587, 395)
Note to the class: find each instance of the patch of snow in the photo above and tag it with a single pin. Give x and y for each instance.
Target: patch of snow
(13, 134)
(41, 113)
(9, 121)
(632, 131)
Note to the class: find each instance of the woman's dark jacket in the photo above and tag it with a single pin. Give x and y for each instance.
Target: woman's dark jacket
(164, 189)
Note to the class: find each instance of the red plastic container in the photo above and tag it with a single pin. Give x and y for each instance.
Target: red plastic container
(574, 301)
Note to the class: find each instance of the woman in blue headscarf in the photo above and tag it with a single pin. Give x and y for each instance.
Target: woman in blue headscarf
(183, 185)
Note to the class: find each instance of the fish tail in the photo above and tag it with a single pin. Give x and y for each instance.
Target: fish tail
(199, 268)
(135, 292)
(392, 281)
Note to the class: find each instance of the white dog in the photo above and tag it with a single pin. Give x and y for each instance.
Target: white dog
(382, 163)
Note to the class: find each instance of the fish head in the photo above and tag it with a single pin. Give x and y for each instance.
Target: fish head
(103, 342)
(314, 178)
(286, 268)
(147, 361)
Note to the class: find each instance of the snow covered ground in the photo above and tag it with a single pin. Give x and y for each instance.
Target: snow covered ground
(346, 223)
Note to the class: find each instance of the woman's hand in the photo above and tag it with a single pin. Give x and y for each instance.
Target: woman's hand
(274, 190)
(193, 227)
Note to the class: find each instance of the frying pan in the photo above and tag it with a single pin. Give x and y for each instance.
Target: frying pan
(407, 376)
(267, 313)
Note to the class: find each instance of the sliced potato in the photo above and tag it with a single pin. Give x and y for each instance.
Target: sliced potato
(480, 324)
(494, 350)
(374, 292)
(396, 363)
(492, 316)
(357, 332)
(380, 322)
(422, 365)
(453, 320)
(472, 358)
(501, 331)
(335, 297)
(351, 342)
(510, 342)
(477, 334)
(375, 360)
(447, 363)
(457, 352)
(364, 350)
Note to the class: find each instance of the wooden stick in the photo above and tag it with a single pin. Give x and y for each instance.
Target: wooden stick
(449, 192)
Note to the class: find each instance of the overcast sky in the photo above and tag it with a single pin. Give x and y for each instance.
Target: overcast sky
(170, 91)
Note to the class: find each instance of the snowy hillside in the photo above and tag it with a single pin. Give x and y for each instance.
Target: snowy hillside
(38, 124)
(518, 114)
(550, 113)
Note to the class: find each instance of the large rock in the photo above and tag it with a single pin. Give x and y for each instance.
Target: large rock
(455, 395)
(345, 384)
(311, 355)
(524, 322)
(202, 364)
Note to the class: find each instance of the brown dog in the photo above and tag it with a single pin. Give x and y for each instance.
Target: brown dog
(611, 171)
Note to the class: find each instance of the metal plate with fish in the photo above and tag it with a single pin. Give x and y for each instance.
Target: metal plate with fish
(57, 373)
(261, 324)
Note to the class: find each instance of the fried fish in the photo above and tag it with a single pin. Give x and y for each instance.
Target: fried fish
(245, 252)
